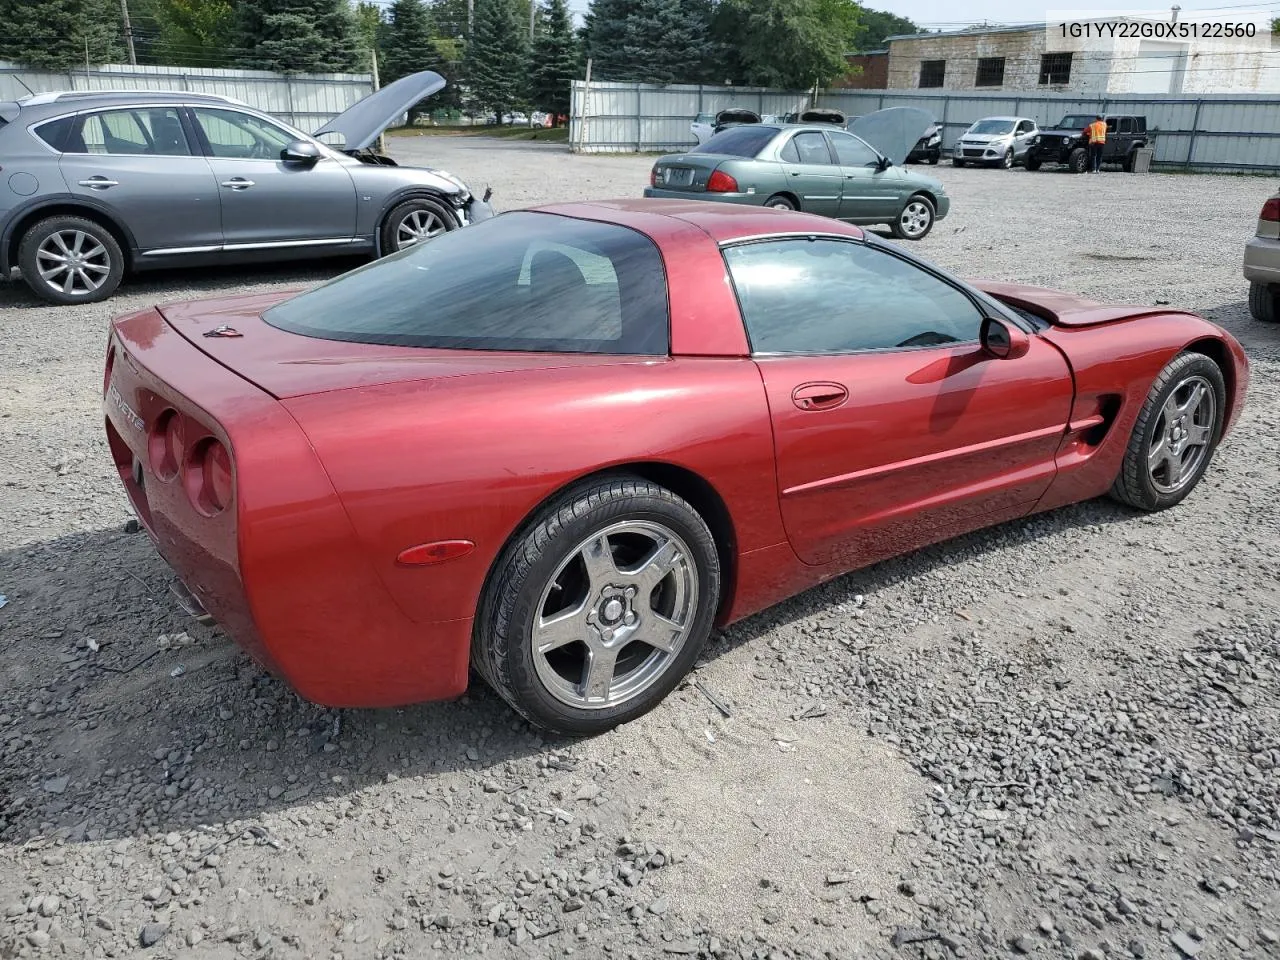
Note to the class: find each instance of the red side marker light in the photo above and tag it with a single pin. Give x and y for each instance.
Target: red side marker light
(425, 554)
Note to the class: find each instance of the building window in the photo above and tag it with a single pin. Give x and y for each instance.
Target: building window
(932, 72)
(1055, 68)
(990, 72)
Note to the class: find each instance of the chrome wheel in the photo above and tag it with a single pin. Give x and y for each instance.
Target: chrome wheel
(73, 263)
(1007, 162)
(615, 615)
(1182, 435)
(417, 226)
(915, 219)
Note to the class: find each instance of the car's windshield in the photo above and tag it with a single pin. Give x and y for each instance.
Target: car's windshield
(522, 281)
(704, 118)
(1076, 122)
(745, 141)
(992, 127)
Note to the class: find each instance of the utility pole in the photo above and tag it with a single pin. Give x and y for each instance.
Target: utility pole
(128, 31)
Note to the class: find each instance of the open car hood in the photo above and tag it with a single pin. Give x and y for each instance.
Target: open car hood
(736, 115)
(893, 131)
(363, 122)
(821, 115)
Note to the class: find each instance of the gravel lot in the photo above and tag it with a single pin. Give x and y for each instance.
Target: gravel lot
(1058, 738)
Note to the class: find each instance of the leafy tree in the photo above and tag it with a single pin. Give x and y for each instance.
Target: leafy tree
(876, 25)
(54, 34)
(496, 54)
(654, 41)
(792, 44)
(183, 33)
(555, 59)
(297, 36)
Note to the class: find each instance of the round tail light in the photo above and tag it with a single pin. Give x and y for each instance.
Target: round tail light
(208, 477)
(165, 445)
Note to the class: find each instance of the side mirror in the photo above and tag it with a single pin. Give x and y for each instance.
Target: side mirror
(1003, 341)
(884, 163)
(300, 152)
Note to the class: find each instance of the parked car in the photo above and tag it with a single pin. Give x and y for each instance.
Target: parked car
(813, 168)
(98, 184)
(1262, 264)
(703, 127)
(618, 425)
(1066, 144)
(928, 149)
(995, 142)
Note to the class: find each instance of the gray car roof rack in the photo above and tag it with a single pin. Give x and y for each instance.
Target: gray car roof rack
(57, 96)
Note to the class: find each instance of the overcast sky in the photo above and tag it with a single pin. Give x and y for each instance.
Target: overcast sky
(936, 15)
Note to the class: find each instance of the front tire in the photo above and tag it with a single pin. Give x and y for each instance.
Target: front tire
(1175, 435)
(70, 259)
(915, 221)
(957, 162)
(1007, 160)
(413, 222)
(600, 607)
(1264, 303)
(1032, 164)
(1078, 161)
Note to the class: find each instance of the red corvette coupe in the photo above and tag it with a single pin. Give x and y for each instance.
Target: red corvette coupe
(559, 446)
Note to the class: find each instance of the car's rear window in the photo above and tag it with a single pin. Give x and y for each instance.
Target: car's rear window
(744, 141)
(522, 281)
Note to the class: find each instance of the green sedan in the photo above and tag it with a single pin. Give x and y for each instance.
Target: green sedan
(818, 168)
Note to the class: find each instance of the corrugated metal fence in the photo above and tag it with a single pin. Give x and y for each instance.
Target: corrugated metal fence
(304, 100)
(1209, 132)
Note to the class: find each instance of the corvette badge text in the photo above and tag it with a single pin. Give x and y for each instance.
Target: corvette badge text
(135, 421)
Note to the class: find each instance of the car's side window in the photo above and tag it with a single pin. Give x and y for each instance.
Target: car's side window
(833, 296)
(1026, 126)
(1126, 125)
(241, 136)
(138, 131)
(807, 147)
(852, 152)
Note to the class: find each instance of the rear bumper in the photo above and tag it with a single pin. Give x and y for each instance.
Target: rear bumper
(749, 199)
(1262, 260)
(281, 569)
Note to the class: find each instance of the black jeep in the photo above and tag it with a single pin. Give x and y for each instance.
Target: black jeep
(1068, 145)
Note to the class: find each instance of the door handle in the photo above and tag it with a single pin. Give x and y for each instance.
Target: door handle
(819, 396)
(795, 173)
(238, 183)
(99, 183)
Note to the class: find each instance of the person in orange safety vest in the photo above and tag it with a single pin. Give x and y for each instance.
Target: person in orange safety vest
(1097, 134)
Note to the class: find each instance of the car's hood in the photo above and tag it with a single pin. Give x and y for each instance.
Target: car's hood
(893, 131)
(734, 115)
(985, 137)
(1061, 132)
(363, 122)
(822, 115)
(1065, 309)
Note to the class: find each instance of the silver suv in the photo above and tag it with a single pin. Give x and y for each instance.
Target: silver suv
(96, 184)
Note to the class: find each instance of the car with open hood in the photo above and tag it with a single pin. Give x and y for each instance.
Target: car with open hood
(855, 175)
(995, 142)
(100, 184)
(619, 426)
(928, 148)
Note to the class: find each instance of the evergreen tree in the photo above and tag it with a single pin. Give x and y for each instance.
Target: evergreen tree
(297, 36)
(555, 60)
(407, 41)
(369, 27)
(654, 41)
(496, 53)
(54, 34)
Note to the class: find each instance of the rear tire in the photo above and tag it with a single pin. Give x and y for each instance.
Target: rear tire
(1264, 302)
(557, 603)
(1175, 435)
(70, 259)
(915, 220)
(413, 222)
(779, 202)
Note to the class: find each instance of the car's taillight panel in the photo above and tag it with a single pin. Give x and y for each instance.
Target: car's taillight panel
(1271, 210)
(207, 477)
(653, 176)
(721, 182)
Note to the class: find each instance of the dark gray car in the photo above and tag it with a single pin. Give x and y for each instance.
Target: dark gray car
(97, 184)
